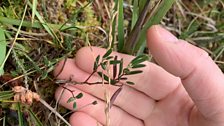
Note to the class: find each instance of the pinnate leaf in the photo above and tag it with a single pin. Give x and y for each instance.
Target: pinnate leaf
(105, 77)
(120, 67)
(80, 95)
(139, 59)
(74, 105)
(130, 83)
(104, 65)
(138, 66)
(96, 62)
(71, 99)
(109, 51)
(134, 72)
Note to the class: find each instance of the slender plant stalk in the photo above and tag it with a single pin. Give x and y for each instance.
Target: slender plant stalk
(134, 35)
(54, 111)
(161, 11)
(35, 118)
(137, 36)
(120, 25)
(20, 115)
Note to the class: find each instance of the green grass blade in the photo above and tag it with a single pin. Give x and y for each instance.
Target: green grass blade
(134, 34)
(34, 63)
(14, 41)
(11, 21)
(140, 51)
(74, 16)
(47, 28)
(20, 115)
(5, 95)
(135, 13)
(160, 12)
(4, 121)
(34, 9)
(35, 118)
(192, 28)
(142, 4)
(3, 45)
(120, 25)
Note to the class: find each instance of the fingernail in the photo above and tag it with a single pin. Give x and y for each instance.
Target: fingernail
(164, 34)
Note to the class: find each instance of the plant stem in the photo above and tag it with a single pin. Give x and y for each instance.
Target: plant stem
(90, 75)
(134, 35)
(155, 18)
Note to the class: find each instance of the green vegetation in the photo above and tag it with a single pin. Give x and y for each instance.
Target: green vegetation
(35, 35)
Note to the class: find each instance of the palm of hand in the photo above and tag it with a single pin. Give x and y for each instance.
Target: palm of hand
(174, 110)
(177, 109)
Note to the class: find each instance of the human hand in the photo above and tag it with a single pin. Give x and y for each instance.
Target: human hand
(194, 98)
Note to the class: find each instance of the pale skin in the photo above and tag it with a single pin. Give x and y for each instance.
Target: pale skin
(185, 89)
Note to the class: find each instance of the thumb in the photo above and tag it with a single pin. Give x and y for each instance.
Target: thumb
(201, 77)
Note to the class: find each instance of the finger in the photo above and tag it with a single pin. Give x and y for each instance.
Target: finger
(135, 98)
(83, 119)
(154, 81)
(127, 100)
(117, 116)
(200, 75)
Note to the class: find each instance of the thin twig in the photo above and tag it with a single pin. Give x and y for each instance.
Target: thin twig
(88, 83)
(211, 21)
(54, 111)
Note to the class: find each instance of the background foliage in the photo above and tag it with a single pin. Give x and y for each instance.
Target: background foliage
(48, 31)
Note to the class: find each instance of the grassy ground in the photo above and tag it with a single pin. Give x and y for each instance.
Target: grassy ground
(43, 39)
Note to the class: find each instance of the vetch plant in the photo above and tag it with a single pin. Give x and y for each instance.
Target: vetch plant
(118, 77)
